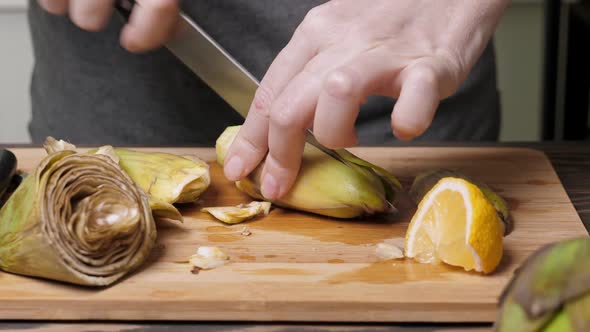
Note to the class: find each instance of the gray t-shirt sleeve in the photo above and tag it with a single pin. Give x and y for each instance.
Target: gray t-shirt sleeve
(87, 89)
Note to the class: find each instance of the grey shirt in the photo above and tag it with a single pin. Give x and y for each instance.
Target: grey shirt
(87, 89)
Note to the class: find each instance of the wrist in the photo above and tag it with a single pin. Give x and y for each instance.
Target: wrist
(472, 32)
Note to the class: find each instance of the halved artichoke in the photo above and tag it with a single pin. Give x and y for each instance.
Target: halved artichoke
(344, 186)
(77, 218)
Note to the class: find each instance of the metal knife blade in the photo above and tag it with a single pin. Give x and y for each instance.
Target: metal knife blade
(215, 66)
(208, 60)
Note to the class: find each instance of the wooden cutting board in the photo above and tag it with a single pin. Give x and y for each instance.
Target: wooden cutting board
(299, 267)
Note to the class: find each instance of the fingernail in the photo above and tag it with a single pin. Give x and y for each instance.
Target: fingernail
(402, 136)
(234, 168)
(270, 187)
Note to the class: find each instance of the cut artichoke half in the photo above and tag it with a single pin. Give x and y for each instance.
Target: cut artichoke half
(77, 218)
(345, 187)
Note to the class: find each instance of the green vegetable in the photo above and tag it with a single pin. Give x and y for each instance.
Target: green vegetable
(550, 291)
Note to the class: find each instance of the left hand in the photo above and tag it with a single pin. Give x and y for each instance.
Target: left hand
(418, 51)
(150, 25)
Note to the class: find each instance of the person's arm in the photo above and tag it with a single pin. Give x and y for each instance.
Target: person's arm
(418, 51)
(150, 24)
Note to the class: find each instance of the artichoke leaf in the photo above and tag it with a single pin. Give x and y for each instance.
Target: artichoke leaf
(52, 145)
(164, 211)
(239, 213)
(168, 177)
(555, 277)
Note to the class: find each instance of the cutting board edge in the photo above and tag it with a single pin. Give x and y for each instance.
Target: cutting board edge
(357, 313)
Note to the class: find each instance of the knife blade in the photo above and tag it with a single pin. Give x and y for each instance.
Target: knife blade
(209, 61)
(194, 47)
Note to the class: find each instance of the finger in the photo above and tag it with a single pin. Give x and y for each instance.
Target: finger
(417, 103)
(251, 144)
(90, 15)
(291, 115)
(57, 7)
(151, 23)
(344, 90)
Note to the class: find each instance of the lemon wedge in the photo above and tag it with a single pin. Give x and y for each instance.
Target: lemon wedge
(456, 224)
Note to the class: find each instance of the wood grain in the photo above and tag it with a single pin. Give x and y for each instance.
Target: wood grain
(572, 163)
(299, 267)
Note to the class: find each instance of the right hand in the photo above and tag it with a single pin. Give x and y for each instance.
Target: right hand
(150, 25)
(344, 51)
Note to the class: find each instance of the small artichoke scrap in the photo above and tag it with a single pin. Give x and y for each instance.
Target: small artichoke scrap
(76, 218)
(427, 180)
(239, 213)
(207, 258)
(344, 187)
(550, 291)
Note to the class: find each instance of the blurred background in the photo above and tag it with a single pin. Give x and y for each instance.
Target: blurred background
(537, 44)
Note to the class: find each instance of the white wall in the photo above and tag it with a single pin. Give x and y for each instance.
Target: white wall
(15, 69)
(518, 42)
(519, 51)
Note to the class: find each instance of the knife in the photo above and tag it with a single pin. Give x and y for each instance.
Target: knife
(215, 66)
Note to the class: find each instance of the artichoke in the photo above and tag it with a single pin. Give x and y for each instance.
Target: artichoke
(345, 186)
(167, 178)
(550, 291)
(77, 218)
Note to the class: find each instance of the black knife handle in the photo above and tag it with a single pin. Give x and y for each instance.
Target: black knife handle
(125, 7)
(8, 165)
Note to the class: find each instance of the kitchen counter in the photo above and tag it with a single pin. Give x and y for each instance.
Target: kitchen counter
(21, 4)
(571, 162)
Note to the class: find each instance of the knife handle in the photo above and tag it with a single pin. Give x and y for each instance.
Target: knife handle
(7, 169)
(125, 7)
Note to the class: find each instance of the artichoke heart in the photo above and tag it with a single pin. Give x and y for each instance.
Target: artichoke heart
(76, 218)
(344, 187)
(550, 291)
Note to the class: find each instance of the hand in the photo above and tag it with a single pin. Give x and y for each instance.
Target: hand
(418, 51)
(150, 25)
